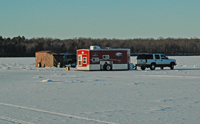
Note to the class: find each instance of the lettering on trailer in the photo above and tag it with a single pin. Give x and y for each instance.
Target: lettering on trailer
(95, 54)
(118, 54)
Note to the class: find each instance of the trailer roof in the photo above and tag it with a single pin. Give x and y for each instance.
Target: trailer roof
(106, 49)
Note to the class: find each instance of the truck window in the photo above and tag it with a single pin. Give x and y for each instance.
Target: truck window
(145, 57)
(149, 56)
(163, 57)
(157, 56)
(141, 57)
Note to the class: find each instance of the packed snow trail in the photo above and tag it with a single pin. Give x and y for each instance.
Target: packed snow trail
(14, 120)
(55, 113)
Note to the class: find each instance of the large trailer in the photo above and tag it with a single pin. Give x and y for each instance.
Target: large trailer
(108, 59)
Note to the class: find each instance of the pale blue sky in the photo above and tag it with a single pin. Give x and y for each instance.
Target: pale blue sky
(122, 19)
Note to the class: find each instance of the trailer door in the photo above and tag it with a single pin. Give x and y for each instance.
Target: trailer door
(79, 60)
(84, 58)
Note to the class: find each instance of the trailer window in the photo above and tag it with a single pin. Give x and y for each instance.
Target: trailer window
(80, 60)
(95, 59)
(84, 60)
(106, 56)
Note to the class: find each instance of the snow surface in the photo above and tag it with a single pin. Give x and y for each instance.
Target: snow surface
(30, 95)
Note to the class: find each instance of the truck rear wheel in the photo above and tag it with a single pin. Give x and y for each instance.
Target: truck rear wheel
(142, 68)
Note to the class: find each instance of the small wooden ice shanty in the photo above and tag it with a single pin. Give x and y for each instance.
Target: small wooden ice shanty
(48, 59)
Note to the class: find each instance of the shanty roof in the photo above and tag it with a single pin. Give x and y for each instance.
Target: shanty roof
(50, 52)
(44, 51)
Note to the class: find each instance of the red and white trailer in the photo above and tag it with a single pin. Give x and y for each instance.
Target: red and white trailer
(96, 58)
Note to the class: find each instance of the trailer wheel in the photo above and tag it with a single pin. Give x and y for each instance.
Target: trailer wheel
(108, 67)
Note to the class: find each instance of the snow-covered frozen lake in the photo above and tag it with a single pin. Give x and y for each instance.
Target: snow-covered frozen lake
(30, 95)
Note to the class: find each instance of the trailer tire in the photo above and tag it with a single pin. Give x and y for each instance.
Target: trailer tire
(108, 67)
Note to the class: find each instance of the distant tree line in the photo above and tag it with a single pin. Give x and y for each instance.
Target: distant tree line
(22, 47)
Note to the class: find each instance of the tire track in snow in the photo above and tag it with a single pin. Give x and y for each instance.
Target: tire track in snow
(161, 76)
(55, 113)
(14, 120)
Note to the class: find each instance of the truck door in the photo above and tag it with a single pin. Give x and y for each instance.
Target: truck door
(164, 60)
(158, 60)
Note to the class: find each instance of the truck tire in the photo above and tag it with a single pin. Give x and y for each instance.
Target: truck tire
(153, 66)
(142, 68)
(172, 66)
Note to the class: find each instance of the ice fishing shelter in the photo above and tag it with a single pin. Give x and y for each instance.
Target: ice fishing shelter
(48, 59)
(96, 58)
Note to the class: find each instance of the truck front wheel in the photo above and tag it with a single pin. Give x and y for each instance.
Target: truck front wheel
(172, 66)
(153, 66)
